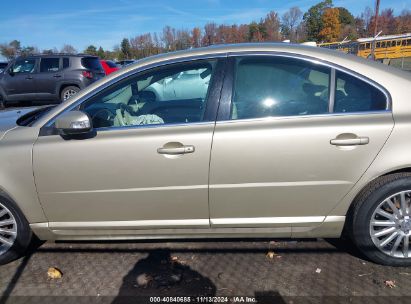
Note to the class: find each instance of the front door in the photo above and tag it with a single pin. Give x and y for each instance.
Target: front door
(146, 166)
(18, 82)
(294, 143)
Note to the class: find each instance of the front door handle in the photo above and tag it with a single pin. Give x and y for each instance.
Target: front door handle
(176, 150)
(29, 77)
(56, 75)
(348, 139)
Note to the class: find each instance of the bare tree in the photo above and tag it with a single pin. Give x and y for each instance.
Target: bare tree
(210, 33)
(196, 37)
(68, 49)
(270, 27)
(290, 21)
(169, 38)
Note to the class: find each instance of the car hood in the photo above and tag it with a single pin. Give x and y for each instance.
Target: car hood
(8, 118)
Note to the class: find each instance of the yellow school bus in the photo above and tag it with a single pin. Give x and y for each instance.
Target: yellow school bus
(391, 49)
(386, 47)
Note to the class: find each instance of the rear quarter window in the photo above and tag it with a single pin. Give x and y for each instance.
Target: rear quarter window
(92, 63)
(355, 95)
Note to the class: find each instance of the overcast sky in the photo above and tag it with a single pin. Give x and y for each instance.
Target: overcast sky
(52, 23)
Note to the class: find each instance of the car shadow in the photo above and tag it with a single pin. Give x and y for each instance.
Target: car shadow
(159, 274)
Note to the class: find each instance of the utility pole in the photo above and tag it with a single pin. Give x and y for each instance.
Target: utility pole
(377, 8)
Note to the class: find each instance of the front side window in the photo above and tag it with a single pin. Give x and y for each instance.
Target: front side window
(355, 95)
(24, 66)
(279, 86)
(48, 65)
(166, 95)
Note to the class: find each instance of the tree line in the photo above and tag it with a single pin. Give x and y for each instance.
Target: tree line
(320, 23)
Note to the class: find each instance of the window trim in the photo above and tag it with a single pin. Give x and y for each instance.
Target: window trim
(60, 64)
(211, 109)
(225, 105)
(36, 65)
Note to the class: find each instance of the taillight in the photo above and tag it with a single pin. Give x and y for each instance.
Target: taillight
(88, 74)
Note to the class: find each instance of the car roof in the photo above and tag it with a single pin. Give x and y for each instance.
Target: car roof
(389, 77)
(336, 57)
(57, 55)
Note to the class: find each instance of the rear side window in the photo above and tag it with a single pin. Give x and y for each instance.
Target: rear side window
(279, 86)
(355, 95)
(111, 64)
(91, 63)
(66, 62)
(49, 65)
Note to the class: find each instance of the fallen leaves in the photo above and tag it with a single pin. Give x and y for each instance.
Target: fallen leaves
(54, 273)
(390, 283)
(143, 280)
(271, 255)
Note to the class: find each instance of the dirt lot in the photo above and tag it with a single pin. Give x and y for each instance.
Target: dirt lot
(314, 271)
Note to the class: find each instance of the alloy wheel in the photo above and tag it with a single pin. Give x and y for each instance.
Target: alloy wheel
(8, 229)
(67, 94)
(390, 225)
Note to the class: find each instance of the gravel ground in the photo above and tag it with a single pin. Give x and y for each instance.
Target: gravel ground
(314, 271)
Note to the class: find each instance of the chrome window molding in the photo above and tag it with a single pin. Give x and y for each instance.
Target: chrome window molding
(275, 118)
(48, 122)
(322, 62)
(154, 126)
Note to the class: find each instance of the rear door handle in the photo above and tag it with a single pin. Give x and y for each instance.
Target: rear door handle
(176, 150)
(350, 141)
(57, 75)
(29, 77)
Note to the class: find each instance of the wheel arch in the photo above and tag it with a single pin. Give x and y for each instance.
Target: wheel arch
(353, 203)
(68, 84)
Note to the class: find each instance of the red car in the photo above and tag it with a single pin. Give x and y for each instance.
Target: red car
(109, 66)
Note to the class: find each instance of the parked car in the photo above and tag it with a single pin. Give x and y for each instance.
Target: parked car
(49, 78)
(285, 141)
(123, 63)
(109, 66)
(3, 65)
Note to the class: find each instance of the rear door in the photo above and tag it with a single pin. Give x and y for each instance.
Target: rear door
(48, 78)
(283, 154)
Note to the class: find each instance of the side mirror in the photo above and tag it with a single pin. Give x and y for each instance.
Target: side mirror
(10, 71)
(73, 123)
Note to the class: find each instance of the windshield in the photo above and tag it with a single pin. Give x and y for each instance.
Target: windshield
(30, 118)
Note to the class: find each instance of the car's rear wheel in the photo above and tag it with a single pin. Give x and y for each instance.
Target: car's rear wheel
(15, 233)
(381, 220)
(69, 91)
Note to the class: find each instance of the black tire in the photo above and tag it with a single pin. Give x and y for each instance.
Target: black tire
(365, 205)
(68, 89)
(24, 233)
(2, 102)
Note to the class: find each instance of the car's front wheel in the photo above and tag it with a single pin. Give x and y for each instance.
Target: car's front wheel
(15, 232)
(381, 220)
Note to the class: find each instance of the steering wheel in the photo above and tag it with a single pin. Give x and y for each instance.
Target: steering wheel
(103, 115)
